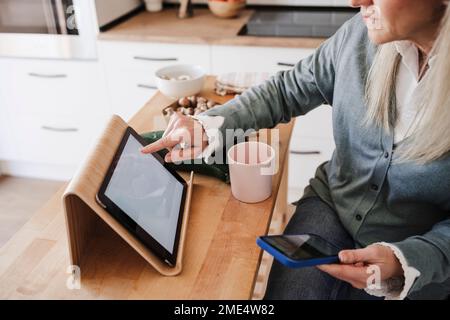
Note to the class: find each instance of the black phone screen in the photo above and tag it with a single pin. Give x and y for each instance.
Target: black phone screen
(302, 247)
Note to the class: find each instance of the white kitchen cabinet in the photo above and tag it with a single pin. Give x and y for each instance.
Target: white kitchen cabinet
(58, 140)
(313, 151)
(52, 110)
(128, 91)
(255, 59)
(55, 87)
(130, 67)
(304, 158)
(317, 123)
(7, 143)
(55, 111)
(311, 144)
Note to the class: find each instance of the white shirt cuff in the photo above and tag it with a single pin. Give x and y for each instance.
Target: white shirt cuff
(211, 125)
(394, 289)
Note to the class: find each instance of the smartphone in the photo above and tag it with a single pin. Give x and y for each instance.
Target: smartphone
(298, 251)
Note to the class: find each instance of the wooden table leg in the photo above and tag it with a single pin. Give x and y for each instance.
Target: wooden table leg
(279, 219)
(280, 214)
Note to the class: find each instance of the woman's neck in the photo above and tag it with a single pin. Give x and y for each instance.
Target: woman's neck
(425, 37)
(425, 46)
(424, 41)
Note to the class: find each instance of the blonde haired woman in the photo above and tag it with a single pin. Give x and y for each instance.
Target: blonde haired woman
(386, 190)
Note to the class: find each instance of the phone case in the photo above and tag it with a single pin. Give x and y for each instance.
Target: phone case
(291, 263)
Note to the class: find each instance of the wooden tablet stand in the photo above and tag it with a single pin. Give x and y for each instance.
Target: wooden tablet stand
(82, 211)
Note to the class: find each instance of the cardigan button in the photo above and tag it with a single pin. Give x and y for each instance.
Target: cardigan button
(386, 154)
(358, 217)
(374, 187)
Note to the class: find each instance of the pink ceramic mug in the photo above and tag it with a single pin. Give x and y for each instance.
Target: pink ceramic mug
(251, 169)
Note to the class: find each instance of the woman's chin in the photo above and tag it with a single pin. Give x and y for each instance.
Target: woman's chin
(379, 37)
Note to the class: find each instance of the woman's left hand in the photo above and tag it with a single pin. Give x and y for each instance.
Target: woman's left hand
(355, 263)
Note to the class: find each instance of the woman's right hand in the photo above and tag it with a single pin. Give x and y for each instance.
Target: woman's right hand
(185, 138)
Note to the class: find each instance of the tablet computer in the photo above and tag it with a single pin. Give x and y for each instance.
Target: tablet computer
(145, 196)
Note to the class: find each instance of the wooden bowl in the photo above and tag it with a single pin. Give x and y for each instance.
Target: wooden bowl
(226, 9)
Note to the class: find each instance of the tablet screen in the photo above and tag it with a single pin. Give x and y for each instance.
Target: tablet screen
(147, 192)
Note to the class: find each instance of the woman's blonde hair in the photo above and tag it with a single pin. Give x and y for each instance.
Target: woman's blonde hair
(430, 131)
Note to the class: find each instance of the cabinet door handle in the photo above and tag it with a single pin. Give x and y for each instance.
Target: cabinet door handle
(59, 129)
(146, 86)
(154, 59)
(49, 76)
(305, 152)
(285, 64)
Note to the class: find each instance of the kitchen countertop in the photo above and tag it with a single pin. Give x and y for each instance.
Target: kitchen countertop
(202, 28)
(221, 258)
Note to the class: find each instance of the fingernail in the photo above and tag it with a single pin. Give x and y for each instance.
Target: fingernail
(342, 257)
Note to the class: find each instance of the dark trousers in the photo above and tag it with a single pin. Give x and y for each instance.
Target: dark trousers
(313, 216)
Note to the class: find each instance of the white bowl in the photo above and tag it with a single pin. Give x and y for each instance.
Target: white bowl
(175, 88)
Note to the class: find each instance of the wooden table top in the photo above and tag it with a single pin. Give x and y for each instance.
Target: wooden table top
(221, 256)
(202, 28)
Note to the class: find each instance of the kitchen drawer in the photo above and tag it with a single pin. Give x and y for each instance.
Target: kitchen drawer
(302, 145)
(148, 57)
(255, 59)
(317, 123)
(56, 87)
(129, 91)
(130, 67)
(305, 155)
(57, 140)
